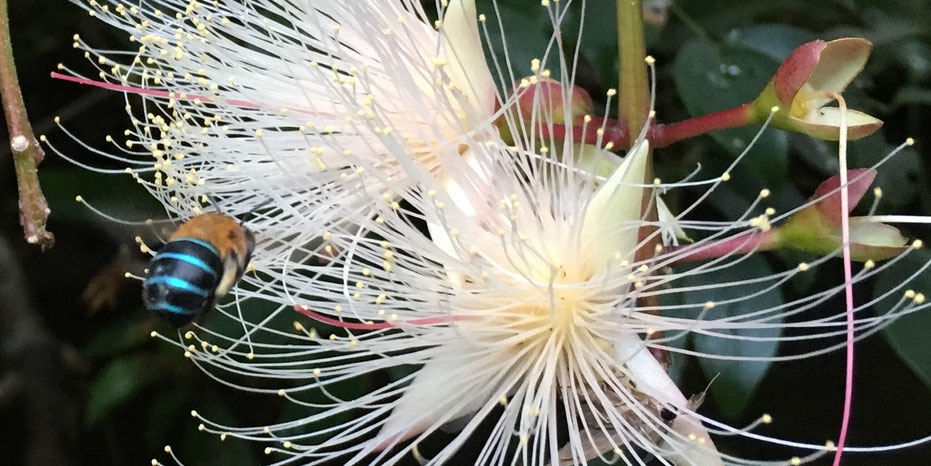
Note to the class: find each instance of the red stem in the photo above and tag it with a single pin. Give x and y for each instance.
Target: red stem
(308, 312)
(664, 135)
(660, 135)
(739, 244)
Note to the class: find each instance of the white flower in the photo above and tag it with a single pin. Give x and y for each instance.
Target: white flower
(252, 103)
(506, 287)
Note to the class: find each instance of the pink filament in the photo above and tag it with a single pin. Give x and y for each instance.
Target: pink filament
(848, 281)
(144, 91)
(372, 326)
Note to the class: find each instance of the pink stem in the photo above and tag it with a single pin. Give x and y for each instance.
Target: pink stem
(615, 132)
(306, 311)
(739, 244)
(660, 135)
(664, 135)
(848, 282)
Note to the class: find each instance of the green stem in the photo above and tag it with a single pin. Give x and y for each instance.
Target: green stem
(634, 88)
(27, 154)
(634, 104)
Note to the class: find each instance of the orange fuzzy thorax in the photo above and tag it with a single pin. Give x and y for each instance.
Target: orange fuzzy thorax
(222, 231)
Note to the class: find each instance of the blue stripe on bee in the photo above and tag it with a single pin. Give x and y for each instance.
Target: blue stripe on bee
(164, 306)
(200, 242)
(178, 283)
(185, 258)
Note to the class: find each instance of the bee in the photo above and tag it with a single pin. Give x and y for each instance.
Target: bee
(201, 261)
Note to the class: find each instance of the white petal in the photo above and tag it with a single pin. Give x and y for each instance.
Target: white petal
(436, 396)
(653, 380)
(612, 218)
(463, 46)
(669, 225)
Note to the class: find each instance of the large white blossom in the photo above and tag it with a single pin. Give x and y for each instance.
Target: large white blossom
(500, 285)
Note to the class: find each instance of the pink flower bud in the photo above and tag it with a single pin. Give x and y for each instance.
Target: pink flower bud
(548, 97)
(808, 80)
(816, 228)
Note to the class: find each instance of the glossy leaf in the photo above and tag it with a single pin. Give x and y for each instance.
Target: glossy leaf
(735, 381)
(116, 384)
(908, 336)
(714, 77)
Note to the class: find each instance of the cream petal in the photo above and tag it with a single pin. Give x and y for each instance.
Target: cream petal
(462, 45)
(653, 380)
(841, 60)
(875, 234)
(824, 123)
(432, 398)
(612, 217)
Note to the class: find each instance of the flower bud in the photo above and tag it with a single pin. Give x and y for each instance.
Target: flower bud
(817, 228)
(547, 97)
(808, 80)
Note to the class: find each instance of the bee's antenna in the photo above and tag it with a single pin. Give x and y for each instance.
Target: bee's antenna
(215, 203)
(255, 209)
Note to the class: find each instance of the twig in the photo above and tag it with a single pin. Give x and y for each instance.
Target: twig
(27, 154)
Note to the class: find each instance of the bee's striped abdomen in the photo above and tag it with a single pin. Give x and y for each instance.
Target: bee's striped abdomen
(182, 280)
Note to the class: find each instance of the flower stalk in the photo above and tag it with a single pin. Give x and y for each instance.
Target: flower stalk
(742, 115)
(27, 154)
(634, 87)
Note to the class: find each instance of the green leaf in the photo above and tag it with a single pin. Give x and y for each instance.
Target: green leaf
(714, 77)
(125, 334)
(908, 336)
(735, 381)
(898, 177)
(117, 383)
(525, 35)
(911, 95)
(774, 40)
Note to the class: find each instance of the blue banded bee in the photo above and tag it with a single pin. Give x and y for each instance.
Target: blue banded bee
(201, 261)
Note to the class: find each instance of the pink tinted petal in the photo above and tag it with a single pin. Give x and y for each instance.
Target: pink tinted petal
(796, 69)
(830, 207)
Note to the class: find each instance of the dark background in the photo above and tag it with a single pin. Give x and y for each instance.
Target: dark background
(84, 384)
